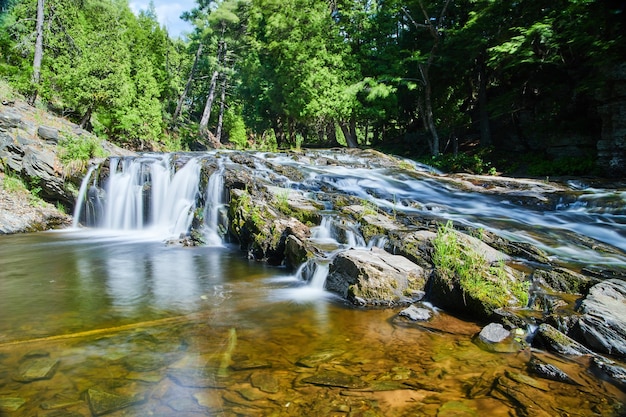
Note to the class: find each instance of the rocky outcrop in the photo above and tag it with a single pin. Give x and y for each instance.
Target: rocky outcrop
(603, 320)
(612, 145)
(375, 277)
(29, 151)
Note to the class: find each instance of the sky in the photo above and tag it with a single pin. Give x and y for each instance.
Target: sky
(168, 13)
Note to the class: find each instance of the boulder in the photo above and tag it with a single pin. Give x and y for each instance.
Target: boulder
(48, 133)
(553, 340)
(416, 313)
(495, 338)
(375, 278)
(564, 280)
(548, 371)
(603, 323)
(416, 246)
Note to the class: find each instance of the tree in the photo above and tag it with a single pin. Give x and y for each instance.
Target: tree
(38, 56)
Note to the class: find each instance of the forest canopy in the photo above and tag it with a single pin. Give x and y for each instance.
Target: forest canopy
(419, 77)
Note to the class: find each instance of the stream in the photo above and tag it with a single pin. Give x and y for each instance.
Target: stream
(111, 318)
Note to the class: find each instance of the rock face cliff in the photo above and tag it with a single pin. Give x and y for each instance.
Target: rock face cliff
(612, 145)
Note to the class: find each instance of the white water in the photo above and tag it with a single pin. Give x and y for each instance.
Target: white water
(214, 203)
(82, 192)
(144, 193)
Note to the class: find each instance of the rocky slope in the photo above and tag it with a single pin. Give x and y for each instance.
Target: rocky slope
(29, 152)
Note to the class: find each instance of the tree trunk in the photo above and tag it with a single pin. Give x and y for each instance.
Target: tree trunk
(485, 130)
(206, 114)
(425, 68)
(331, 134)
(38, 52)
(279, 131)
(179, 106)
(84, 121)
(220, 119)
(349, 132)
(428, 112)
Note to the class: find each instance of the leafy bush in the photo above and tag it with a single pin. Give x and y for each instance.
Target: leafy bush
(74, 148)
(542, 167)
(462, 162)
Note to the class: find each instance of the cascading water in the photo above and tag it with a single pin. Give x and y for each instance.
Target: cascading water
(146, 193)
(214, 202)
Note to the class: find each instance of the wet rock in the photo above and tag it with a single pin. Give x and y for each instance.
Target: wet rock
(10, 404)
(609, 370)
(495, 338)
(249, 365)
(416, 246)
(62, 413)
(603, 323)
(295, 252)
(551, 339)
(416, 313)
(335, 379)
(482, 385)
(144, 362)
(196, 377)
(265, 381)
(548, 371)
(564, 280)
(525, 379)
(318, 358)
(456, 409)
(37, 368)
(101, 402)
(528, 400)
(209, 399)
(375, 277)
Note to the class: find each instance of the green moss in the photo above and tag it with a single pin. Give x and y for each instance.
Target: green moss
(477, 278)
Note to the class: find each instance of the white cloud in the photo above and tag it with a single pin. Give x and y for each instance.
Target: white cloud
(168, 14)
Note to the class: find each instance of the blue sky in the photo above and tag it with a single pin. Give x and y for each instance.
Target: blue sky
(168, 13)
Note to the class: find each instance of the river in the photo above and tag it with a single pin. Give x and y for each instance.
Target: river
(118, 322)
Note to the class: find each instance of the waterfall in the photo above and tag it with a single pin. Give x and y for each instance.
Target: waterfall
(323, 232)
(214, 202)
(81, 200)
(142, 193)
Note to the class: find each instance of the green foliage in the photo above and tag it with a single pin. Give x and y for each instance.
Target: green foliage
(76, 151)
(303, 72)
(13, 184)
(541, 167)
(236, 128)
(475, 276)
(462, 162)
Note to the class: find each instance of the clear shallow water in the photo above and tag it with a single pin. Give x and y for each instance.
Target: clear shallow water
(202, 331)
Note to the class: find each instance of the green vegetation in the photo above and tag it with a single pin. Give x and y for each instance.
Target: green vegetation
(280, 74)
(476, 278)
(14, 184)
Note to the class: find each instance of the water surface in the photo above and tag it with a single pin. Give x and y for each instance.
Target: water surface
(203, 331)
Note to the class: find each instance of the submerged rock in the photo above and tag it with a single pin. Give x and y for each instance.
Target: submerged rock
(10, 404)
(548, 371)
(335, 379)
(603, 323)
(416, 313)
(375, 278)
(495, 338)
(101, 402)
(609, 370)
(37, 368)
